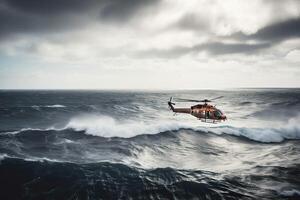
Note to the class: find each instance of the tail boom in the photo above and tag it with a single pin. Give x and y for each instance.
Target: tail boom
(182, 110)
(179, 110)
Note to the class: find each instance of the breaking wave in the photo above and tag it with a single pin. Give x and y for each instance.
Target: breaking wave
(266, 135)
(106, 126)
(49, 106)
(31, 129)
(290, 193)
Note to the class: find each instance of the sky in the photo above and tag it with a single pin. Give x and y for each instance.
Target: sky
(149, 44)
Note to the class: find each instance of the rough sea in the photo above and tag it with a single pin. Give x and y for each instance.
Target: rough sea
(129, 145)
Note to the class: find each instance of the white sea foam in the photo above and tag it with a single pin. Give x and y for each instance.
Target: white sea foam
(3, 156)
(291, 130)
(31, 129)
(290, 193)
(258, 134)
(106, 126)
(49, 106)
(31, 158)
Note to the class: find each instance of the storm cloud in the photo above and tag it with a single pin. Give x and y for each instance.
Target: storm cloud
(215, 48)
(276, 32)
(264, 38)
(125, 40)
(18, 16)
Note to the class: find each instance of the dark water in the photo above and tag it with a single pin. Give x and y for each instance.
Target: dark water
(128, 145)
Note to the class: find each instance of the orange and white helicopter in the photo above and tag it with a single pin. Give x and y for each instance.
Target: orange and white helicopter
(205, 112)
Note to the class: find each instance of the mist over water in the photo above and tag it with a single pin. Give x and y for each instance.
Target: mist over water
(112, 144)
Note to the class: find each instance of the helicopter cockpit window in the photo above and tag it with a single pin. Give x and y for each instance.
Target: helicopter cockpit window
(218, 113)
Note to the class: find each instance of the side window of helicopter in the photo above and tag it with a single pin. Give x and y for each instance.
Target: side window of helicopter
(217, 113)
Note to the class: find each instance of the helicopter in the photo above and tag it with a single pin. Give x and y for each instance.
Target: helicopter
(204, 112)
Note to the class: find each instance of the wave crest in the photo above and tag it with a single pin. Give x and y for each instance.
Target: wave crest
(49, 106)
(106, 126)
(266, 135)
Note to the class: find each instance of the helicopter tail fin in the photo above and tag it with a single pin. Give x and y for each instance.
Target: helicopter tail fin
(170, 103)
(178, 110)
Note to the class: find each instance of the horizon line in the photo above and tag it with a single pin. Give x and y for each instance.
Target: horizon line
(140, 89)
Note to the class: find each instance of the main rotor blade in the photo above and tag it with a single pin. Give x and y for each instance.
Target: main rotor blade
(187, 100)
(216, 98)
(198, 101)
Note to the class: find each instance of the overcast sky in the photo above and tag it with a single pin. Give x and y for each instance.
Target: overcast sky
(149, 44)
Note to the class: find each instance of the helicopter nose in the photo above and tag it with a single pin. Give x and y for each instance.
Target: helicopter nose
(224, 117)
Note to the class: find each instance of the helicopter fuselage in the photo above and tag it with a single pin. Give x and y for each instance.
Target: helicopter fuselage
(201, 111)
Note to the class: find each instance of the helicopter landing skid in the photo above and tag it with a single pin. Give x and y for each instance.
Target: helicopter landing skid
(210, 121)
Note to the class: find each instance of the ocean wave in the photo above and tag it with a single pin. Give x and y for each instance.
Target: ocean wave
(291, 130)
(265, 135)
(106, 180)
(110, 181)
(29, 159)
(3, 156)
(48, 106)
(105, 126)
(31, 129)
(290, 193)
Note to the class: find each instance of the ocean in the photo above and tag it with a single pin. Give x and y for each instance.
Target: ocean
(90, 144)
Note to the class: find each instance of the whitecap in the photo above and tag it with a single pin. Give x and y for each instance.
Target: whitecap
(48, 106)
(105, 126)
(290, 193)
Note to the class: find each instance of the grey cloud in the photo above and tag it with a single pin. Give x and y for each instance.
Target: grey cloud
(50, 7)
(192, 22)
(213, 48)
(30, 16)
(273, 33)
(120, 10)
(12, 23)
(219, 48)
(39, 16)
(279, 31)
(116, 9)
